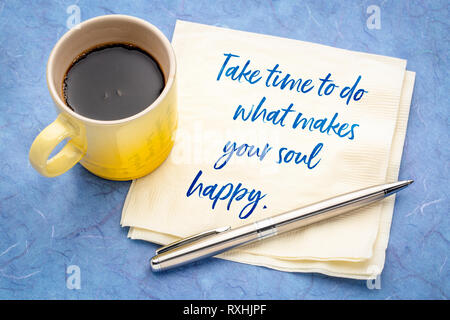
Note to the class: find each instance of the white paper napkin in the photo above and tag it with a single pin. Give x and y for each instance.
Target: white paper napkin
(167, 205)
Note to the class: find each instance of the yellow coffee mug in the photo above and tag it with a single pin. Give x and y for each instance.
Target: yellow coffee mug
(122, 149)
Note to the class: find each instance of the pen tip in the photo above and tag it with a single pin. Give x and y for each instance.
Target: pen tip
(397, 186)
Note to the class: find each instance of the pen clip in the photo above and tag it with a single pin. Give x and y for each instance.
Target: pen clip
(195, 237)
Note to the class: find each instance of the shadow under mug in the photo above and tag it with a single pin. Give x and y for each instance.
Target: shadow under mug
(122, 149)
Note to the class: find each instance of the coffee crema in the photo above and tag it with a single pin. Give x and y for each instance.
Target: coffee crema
(112, 82)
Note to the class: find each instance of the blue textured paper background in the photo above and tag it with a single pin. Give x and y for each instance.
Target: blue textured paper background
(47, 225)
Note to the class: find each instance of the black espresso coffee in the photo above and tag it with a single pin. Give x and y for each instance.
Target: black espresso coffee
(112, 82)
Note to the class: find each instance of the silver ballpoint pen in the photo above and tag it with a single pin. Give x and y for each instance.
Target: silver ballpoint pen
(213, 242)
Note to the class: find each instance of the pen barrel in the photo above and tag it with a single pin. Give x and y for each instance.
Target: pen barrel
(218, 243)
(324, 210)
(225, 240)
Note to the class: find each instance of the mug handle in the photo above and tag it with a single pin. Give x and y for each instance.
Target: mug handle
(47, 140)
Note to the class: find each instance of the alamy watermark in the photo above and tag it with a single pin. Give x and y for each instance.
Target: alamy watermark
(374, 20)
(375, 282)
(74, 19)
(73, 277)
